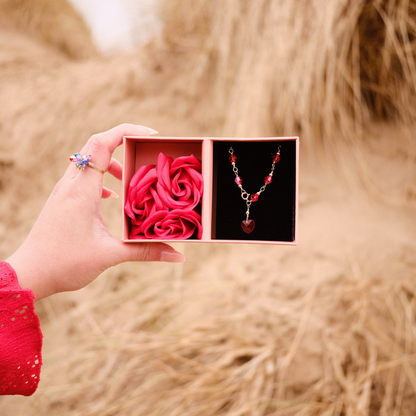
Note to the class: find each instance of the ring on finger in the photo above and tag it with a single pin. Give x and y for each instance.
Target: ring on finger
(81, 161)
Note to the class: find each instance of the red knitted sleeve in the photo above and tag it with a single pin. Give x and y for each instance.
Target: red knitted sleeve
(20, 336)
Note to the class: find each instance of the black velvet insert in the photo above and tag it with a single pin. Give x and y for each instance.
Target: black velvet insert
(274, 212)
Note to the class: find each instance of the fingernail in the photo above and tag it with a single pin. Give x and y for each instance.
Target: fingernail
(151, 131)
(113, 194)
(172, 257)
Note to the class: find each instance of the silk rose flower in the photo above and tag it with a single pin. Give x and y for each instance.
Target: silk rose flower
(163, 200)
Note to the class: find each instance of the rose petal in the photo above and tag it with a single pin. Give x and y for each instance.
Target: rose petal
(175, 224)
(162, 168)
(185, 185)
(186, 161)
(139, 184)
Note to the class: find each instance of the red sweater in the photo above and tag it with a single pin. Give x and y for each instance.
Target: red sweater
(20, 336)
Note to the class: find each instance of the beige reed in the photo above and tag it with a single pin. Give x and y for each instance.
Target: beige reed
(319, 68)
(54, 22)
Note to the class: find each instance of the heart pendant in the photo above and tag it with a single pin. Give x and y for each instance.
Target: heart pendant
(247, 226)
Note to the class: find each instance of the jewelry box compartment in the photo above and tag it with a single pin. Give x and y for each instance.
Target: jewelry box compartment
(222, 208)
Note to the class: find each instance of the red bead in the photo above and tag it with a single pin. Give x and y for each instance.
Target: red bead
(276, 158)
(232, 158)
(238, 180)
(268, 180)
(254, 197)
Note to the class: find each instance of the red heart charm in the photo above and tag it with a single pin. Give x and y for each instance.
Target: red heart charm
(247, 226)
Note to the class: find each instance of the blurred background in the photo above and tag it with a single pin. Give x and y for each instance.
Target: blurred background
(324, 328)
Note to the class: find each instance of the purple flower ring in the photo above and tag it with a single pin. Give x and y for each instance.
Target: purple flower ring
(81, 161)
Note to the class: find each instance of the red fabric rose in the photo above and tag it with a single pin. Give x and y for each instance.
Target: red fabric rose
(174, 224)
(142, 199)
(172, 187)
(180, 183)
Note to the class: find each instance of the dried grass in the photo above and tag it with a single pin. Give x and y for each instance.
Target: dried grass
(242, 357)
(55, 23)
(322, 69)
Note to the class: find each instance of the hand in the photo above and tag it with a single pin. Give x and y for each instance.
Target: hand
(69, 246)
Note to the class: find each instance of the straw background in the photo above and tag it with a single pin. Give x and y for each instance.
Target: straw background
(324, 328)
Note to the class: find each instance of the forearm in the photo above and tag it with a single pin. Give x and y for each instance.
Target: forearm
(31, 272)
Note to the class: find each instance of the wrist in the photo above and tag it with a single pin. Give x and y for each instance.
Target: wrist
(29, 273)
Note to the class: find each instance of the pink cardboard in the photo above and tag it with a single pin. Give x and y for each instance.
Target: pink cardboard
(144, 150)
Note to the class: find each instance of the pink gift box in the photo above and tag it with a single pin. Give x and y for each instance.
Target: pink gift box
(222, 208)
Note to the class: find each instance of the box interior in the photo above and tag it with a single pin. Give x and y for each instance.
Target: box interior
(274, 212)
(147, 152)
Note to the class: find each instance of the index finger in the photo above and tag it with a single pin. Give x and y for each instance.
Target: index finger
(102, 145)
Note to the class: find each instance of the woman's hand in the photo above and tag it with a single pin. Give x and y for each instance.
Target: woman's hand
(69, 246)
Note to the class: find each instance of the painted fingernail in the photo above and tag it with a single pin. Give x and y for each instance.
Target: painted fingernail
(172, 257)
(113, 194)
(150, 131)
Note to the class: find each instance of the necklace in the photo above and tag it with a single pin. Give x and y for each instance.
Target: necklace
(248, 225)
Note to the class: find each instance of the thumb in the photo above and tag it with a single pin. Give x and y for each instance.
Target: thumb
(148, 252)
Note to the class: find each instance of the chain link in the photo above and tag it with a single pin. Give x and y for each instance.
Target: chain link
(245, 195)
